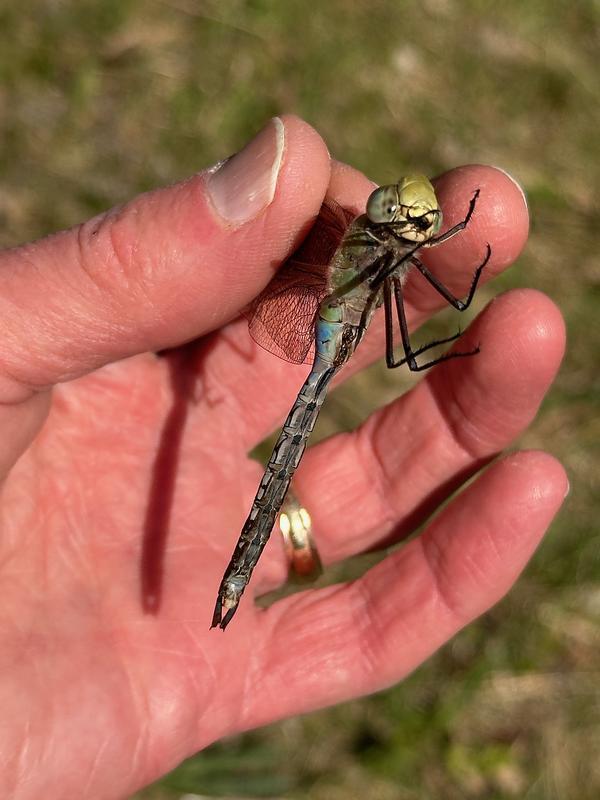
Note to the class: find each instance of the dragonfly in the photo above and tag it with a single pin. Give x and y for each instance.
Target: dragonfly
(366, 259)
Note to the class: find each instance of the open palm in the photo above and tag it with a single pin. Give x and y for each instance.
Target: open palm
(119, 516)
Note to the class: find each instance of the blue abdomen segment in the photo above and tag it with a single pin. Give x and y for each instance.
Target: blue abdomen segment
(328, 336)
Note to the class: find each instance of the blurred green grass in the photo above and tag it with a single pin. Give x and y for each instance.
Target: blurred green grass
(102, 99)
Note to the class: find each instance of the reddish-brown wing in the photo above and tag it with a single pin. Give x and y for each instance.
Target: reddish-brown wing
(281, 319)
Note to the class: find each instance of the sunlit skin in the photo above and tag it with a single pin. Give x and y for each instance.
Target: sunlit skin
(117, 519)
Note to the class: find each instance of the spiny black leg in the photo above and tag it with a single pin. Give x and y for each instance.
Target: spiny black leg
(372, 237)
(389, 326)
(458, 227)
(460, 305)
(429, 346)
(389, 333)
(409, 352)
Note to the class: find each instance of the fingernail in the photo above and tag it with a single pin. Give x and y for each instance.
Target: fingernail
(516, 183)
(243, 185)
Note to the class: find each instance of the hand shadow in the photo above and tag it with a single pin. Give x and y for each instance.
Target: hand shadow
(184, 368)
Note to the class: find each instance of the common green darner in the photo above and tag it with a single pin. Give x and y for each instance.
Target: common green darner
(368, 259)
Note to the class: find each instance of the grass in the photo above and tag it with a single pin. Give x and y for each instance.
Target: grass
(100, 100)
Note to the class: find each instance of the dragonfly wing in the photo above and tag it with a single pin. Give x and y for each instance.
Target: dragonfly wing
(281, 319)
(325, 235)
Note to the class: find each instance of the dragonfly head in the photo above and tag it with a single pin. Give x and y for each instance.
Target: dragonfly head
(409, 205)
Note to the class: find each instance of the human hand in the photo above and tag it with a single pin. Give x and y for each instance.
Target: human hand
(119, 516)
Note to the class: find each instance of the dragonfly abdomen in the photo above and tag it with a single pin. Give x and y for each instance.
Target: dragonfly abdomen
(273, 487)
(291, 444)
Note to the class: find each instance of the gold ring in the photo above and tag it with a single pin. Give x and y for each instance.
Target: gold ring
(295, 526)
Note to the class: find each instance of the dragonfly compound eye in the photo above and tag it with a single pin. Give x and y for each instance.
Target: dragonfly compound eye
(382, 205)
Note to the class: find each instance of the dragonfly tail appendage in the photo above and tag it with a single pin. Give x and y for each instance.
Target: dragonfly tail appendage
(271, 493)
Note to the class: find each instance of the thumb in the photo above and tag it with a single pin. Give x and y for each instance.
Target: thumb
(166, 267)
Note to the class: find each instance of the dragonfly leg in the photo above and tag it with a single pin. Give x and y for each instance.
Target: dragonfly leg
(460, 305)
(390, 361)
(373, 237)
(460, 226)
(411, 355)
